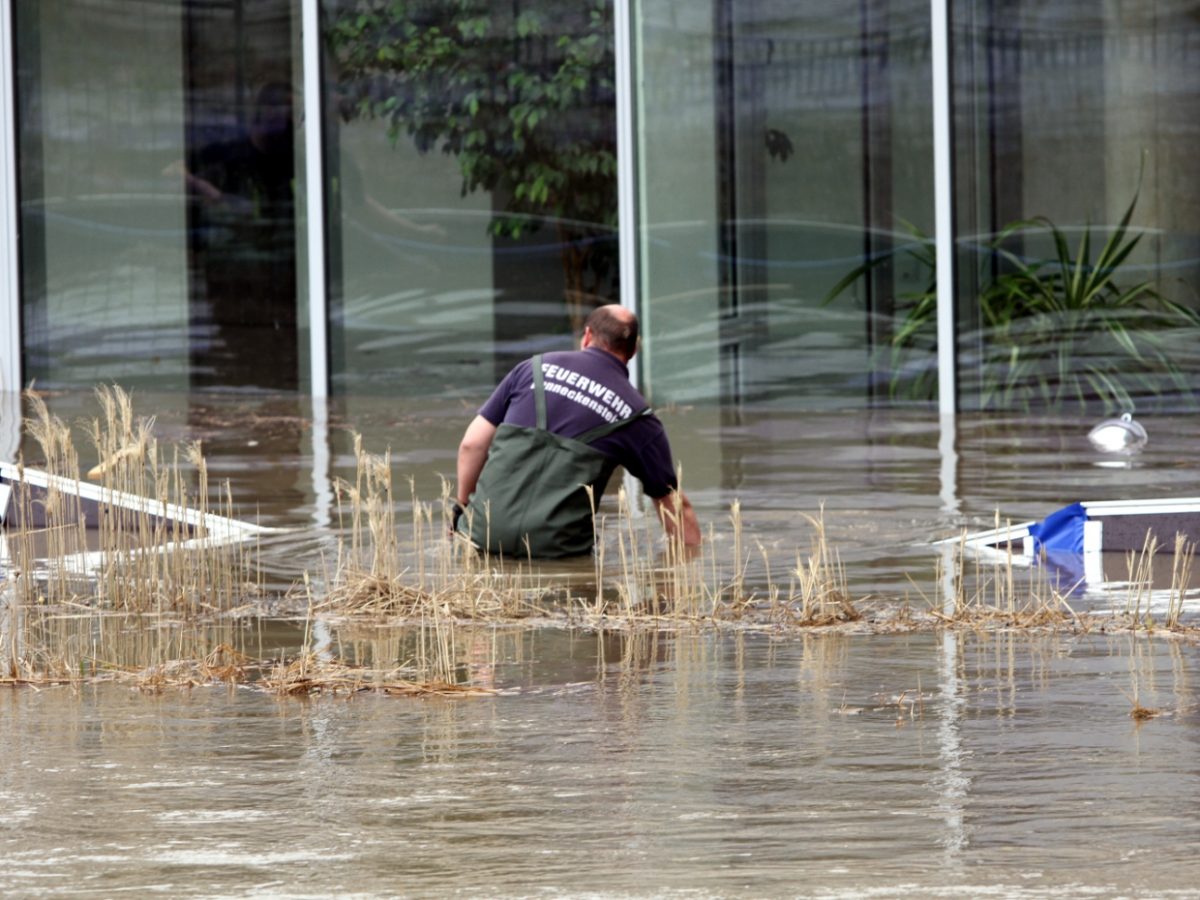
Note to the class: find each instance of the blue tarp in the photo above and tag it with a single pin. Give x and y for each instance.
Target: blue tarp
(1061, 531)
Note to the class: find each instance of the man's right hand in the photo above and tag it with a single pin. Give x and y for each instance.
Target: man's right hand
(678, 517)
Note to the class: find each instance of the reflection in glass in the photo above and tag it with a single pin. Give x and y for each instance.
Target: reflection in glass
(473, 186)
(243, 248)
(1078, 230)
(103, 233)
(157, 217)
(786, 182)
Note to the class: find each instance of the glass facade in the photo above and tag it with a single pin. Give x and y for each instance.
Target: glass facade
(785, 146)
(1078, 207)
(156, 178)
(472, 159)
(782, 167)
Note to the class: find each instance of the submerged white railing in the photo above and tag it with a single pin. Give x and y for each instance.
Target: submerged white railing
(207, 529)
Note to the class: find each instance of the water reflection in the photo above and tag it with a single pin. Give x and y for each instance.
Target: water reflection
(950, 783)
(728, 765)
(733, 764)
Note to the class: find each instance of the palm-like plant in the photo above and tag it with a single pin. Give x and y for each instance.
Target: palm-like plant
(1055, 330)
(1065, 328)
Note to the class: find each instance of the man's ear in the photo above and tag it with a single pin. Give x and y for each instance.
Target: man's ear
(586, 340)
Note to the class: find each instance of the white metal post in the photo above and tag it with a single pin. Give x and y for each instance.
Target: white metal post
(10, 428)
(627, 225)
(10, 284)
(943, 201)
(318, 297)
(314, 193)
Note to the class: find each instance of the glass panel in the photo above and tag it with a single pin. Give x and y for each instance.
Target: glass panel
(156, 175)
(473, 168)
(785, 194)
(1078, 221)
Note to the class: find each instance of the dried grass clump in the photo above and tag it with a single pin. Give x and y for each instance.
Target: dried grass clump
(467, 596)
(39, 667)
(311, 674)
(1141, 713)
(822, 595)
(1137, 711)
(223, 664)
(1002, 595)
(41, 648)
(993, 596)
(437, 576)
(639, 579)
(80, 644)
(1140, 591)
(704, 584)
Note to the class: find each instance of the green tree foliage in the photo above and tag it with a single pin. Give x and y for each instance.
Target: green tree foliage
(522, 98)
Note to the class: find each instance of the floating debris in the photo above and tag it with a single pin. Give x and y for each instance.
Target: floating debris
(1141, 713)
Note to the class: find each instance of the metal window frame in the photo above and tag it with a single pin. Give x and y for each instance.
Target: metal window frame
(943, 202)
(628, 225)
(314, 194)
(318, 282)
(10, 280)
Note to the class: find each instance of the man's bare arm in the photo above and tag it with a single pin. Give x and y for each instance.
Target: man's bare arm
(684, 517)
(472, 454)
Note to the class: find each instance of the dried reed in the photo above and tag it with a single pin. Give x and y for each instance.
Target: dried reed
(309, 674)
(440, 579)
(1141, 595)
(1181, 579)
(42, 647)
(983, 596)
(988, 597)
(151, 543)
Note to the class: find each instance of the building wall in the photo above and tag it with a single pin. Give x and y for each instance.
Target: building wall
(784, 174)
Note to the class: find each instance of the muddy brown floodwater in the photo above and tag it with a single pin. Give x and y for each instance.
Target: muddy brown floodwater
(692, 764)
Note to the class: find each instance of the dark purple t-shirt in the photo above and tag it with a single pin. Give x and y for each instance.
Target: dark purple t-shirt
(585, 389)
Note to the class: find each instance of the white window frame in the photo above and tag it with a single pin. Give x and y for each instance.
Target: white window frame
(628, 225)
(943, 205)
(10, 281)
(314, 194)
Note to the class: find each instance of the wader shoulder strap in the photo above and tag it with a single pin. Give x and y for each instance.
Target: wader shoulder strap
(539, 394)
(539, 400)
(596, 433)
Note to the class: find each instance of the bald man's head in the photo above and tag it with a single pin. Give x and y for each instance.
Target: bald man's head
(615, 329)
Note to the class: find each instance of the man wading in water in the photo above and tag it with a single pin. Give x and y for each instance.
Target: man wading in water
(558, 422)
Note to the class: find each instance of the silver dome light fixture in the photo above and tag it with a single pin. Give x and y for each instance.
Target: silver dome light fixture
(1121, 435)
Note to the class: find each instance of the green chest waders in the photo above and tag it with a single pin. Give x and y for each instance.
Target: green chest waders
(532, 487)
